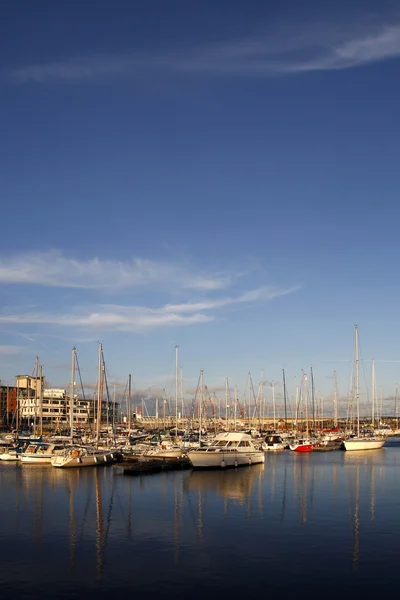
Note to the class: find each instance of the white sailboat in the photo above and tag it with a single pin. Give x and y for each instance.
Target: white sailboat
(168, 450)
(361, 442)
(84, 456)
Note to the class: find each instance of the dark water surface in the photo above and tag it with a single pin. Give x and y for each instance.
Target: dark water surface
(320, 523)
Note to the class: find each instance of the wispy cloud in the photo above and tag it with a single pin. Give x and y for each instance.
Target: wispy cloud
(116, 318)
(264, 293)
(53, 269)
(282, 50)
(139, 318)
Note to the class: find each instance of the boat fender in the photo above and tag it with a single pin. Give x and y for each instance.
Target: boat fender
(236, 463)
(112, 456)
(95, 459)
(105, 458)
(249, 461)
(222, 464)
(79, 460)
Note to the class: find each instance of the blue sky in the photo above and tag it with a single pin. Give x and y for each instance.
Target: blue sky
(222, 176)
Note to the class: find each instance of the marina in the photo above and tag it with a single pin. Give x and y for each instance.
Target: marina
(199, 362)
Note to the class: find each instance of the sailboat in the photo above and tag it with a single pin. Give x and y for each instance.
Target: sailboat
(361, 442)
(168, 450)
(84, 456)
(303, 443)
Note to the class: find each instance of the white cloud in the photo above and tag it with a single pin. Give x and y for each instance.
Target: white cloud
(140, 318)
(373, 47)
(285, 49)
(53, 269)
(263, 293)
(117, 318)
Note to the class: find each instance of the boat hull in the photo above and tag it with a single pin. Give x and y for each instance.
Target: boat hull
(302, 448)
(203, 459)
(362, 444)
(10, 456)
(32, 459)
(274, 448)
(168, 453)
(90, 460)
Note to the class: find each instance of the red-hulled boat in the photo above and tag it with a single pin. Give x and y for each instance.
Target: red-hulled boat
(302, 445)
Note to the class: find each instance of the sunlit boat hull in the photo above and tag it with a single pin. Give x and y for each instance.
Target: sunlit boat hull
(363, 444)
(302, 447)
(35, 460)
(204, 459)
(11, 456)
(83, 460)
(163, 453)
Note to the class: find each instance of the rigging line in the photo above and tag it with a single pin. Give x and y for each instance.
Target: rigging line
(82, 388)
(105, 377)
(80, 377)
(254, 396)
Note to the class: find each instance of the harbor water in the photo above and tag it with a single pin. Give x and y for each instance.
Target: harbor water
(313, 523)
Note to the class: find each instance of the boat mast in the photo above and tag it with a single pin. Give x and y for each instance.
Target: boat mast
(36, 394)
(129, 403)
(335, 399)
(183, 405)
(176, 392)
(395, 407)
(226, 403)
(99, 394)
(71, 396)
(273, 402)
(373, 394)
(201, 404)
(234, 413)
(313, 397)
(113, 414)
(357, 386)
(17, 408)
(305, 400)
(284, 396)
(41, 401)
(297, 403)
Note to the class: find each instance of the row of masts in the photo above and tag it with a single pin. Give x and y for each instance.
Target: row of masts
(233, 409)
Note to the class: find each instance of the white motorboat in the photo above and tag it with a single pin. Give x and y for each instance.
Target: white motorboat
(383, 430)
(230, 449)
(273, 443)
(40, 453)
(83, 457)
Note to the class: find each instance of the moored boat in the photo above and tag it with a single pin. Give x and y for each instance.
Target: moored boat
(83, 457)
(273, 443)
(363, 443)
(40, 453)
(229, 449)
(302, 445)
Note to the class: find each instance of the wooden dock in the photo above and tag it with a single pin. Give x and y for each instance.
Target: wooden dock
(157, 465)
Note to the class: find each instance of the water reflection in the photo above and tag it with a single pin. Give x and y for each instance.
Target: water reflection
(233, 485)
(96, 527)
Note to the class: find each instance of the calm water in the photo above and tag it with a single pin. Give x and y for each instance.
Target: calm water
(319, 522)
